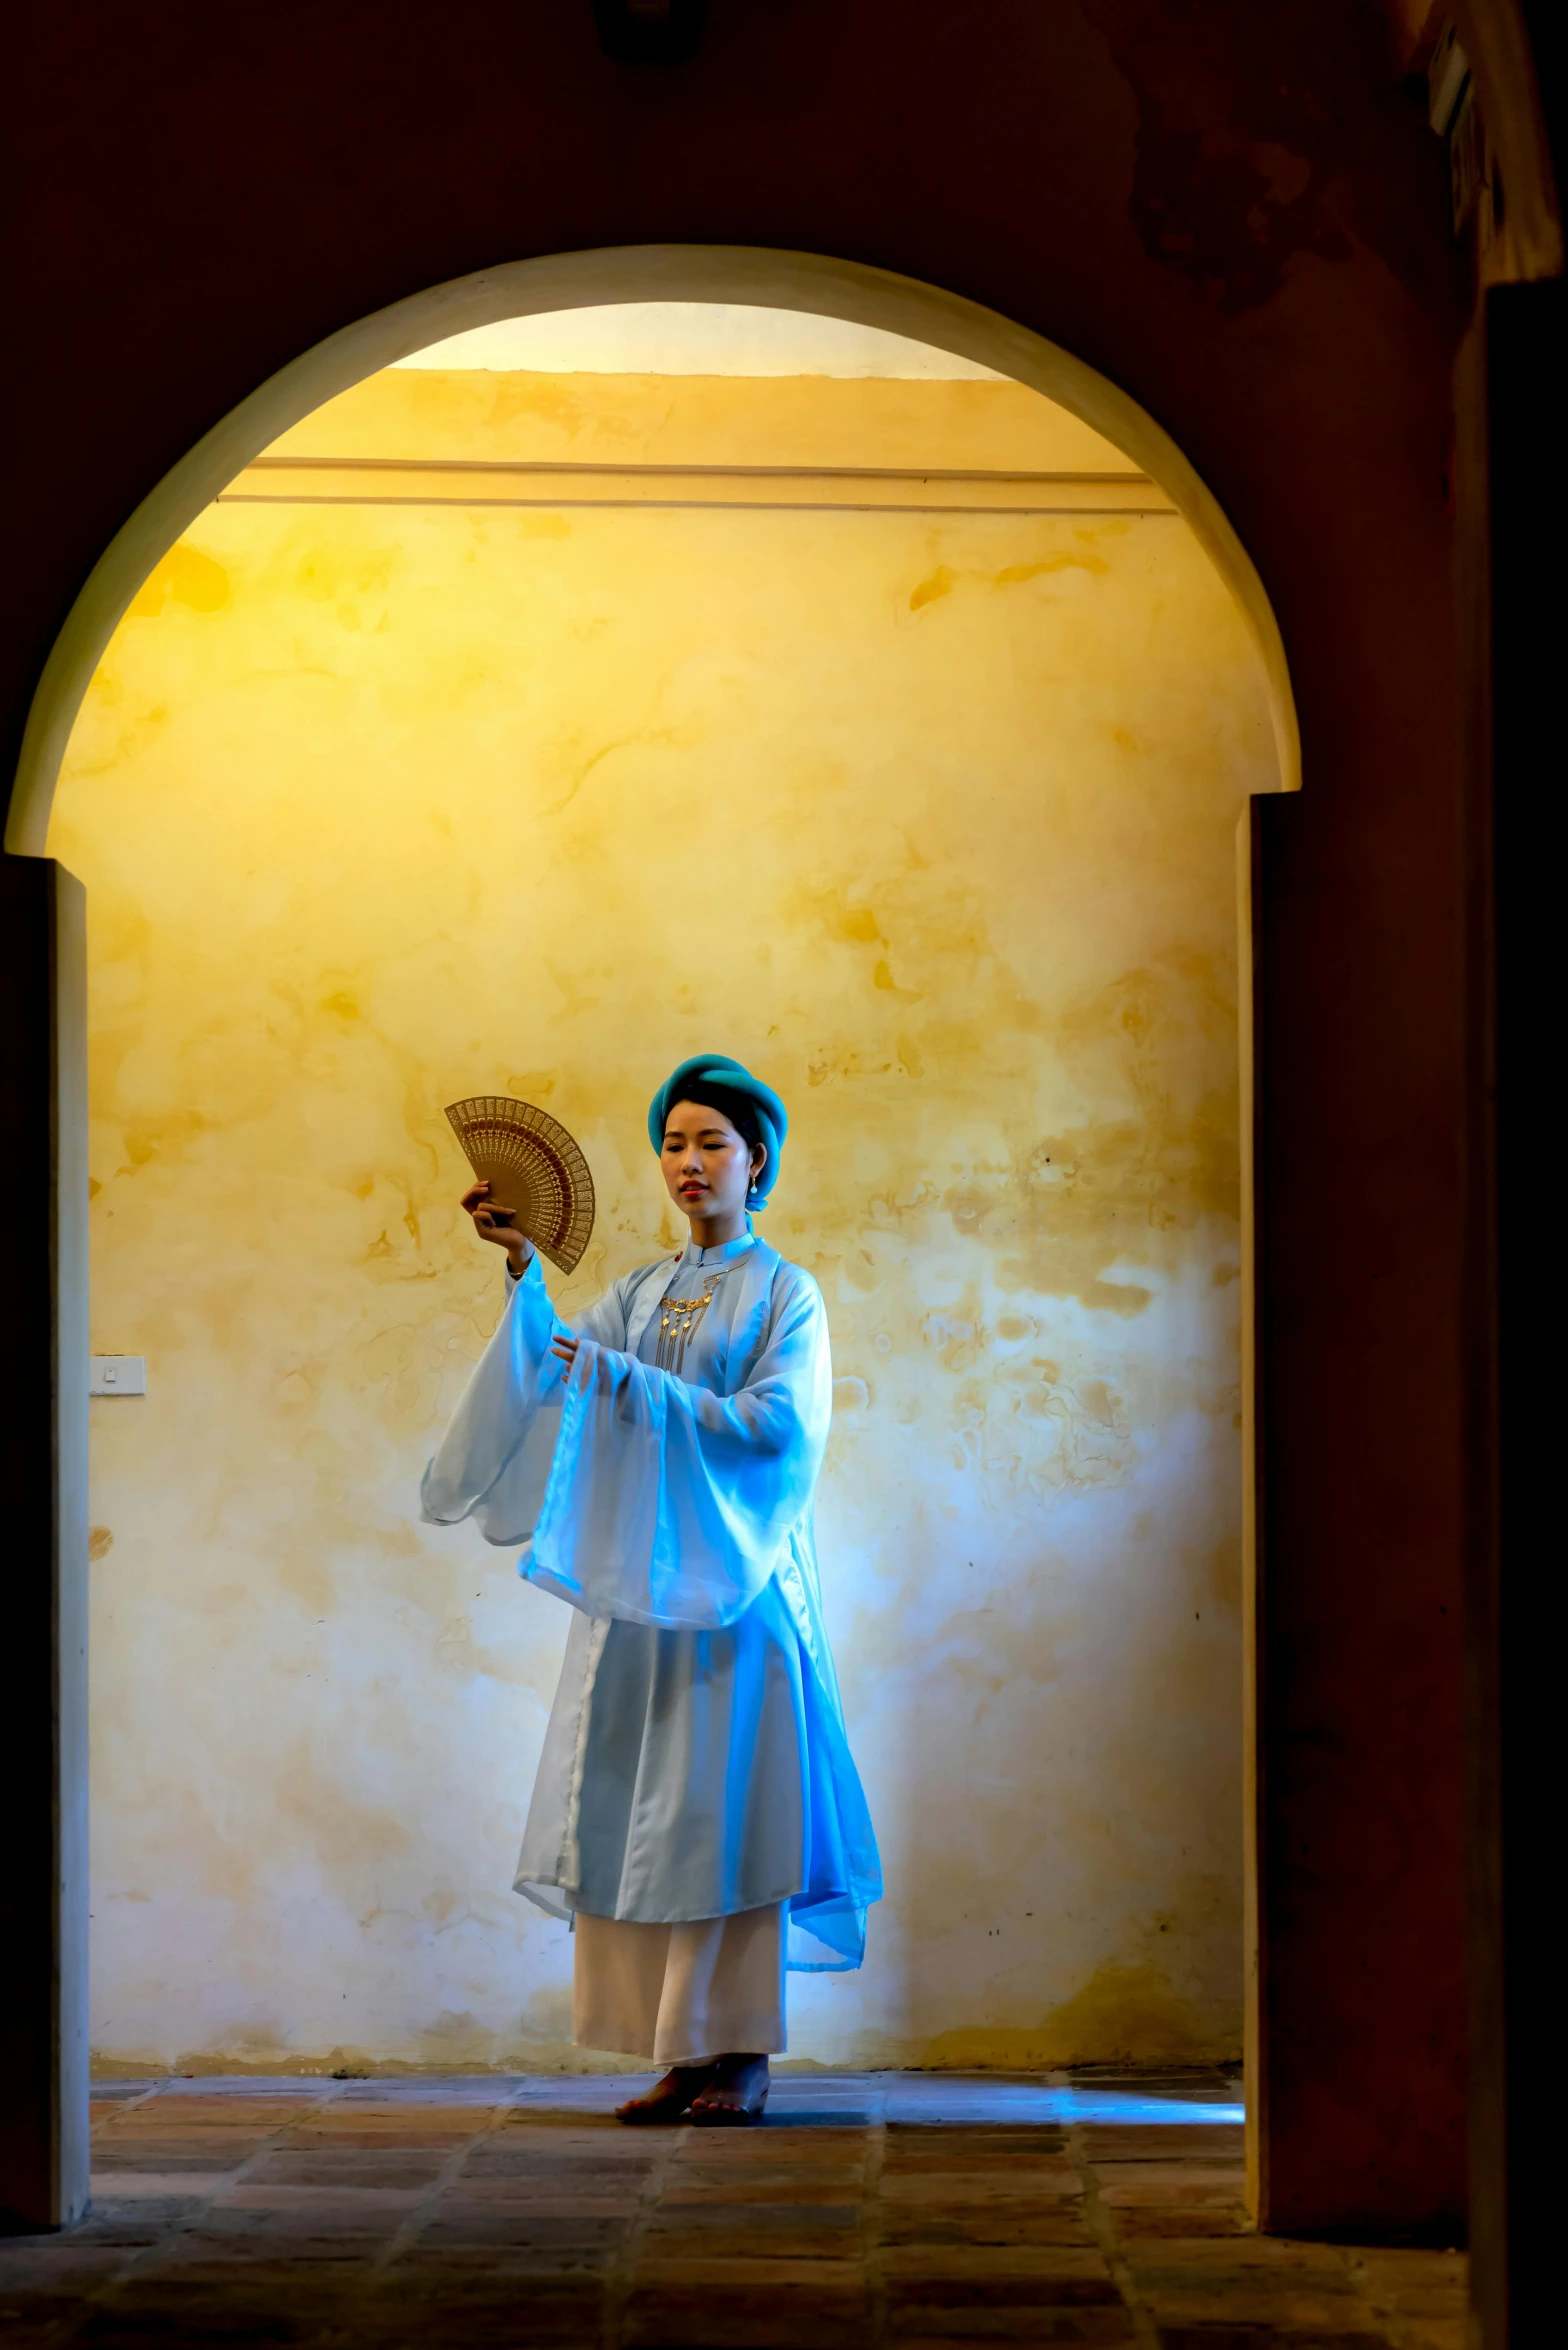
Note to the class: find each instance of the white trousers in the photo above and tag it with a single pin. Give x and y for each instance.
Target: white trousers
(680, 1994)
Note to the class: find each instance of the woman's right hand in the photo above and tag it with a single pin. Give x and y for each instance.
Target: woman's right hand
(476, 1203)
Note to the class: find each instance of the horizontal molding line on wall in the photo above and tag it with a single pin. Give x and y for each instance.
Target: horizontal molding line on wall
(445, 481)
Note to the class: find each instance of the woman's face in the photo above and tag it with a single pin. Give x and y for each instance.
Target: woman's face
(708, 1167)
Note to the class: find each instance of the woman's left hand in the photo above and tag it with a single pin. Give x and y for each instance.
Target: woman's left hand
(564, 1347)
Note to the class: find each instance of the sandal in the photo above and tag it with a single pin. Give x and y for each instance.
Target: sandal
(731, 2117)
(669, 2100)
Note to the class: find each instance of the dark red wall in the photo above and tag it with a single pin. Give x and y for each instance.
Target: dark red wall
(1238, 214)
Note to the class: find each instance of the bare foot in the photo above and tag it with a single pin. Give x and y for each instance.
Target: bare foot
(736, 2092)
(667, 2100)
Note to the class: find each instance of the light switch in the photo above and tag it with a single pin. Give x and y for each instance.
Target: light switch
(118, 1375)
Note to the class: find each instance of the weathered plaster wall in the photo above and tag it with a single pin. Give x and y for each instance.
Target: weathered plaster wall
(932, 819)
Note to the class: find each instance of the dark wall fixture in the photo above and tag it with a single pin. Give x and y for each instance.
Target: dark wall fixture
(649, 32)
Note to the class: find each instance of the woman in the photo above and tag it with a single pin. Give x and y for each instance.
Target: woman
(697, 1812)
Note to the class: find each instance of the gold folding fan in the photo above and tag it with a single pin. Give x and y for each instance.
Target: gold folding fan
(533, 1167)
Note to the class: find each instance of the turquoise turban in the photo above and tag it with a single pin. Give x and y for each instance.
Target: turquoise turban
(709, 1077)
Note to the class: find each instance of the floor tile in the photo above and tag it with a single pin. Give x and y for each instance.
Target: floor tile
(869, 2211)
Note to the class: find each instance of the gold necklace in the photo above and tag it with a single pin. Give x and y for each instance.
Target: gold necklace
(679, 1317)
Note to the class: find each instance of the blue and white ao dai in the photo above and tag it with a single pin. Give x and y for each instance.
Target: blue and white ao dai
(696, 1763)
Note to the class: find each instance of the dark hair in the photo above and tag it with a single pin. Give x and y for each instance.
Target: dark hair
(739, 1108)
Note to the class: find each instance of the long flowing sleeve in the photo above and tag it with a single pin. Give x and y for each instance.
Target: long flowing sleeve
(670, 1505)
(493, 1464)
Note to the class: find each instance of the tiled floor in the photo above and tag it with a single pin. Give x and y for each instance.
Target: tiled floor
(885, 2209)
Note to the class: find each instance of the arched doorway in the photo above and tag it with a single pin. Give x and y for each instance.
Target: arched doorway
(806, 285)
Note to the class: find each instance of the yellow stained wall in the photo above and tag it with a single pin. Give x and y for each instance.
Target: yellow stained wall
(699, 420)
(928, 818)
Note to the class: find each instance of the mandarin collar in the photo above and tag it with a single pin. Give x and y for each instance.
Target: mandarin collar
(694, 1256)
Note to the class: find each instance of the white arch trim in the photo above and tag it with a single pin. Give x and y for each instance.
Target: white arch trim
(568, 281)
